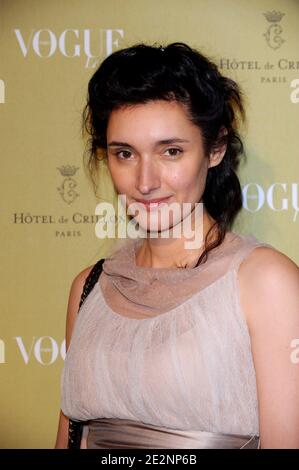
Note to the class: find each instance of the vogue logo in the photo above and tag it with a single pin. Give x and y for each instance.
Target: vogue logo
(70, 43)
(45, 349)
(279, 196)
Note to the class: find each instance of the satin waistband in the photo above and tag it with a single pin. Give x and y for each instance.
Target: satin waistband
(114, 433)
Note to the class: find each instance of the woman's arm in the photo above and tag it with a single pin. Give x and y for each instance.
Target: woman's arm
(269, 296)
(72, 310)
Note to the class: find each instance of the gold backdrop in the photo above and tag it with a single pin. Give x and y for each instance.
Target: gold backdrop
(48, 51)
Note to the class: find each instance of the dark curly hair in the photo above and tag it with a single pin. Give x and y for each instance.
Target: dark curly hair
(142, 73)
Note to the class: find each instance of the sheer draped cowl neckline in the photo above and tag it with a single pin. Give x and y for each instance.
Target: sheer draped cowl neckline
(141, 292)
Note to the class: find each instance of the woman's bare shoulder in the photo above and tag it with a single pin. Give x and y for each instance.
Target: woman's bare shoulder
(266, 262)
(80, 278)
(75, 293)
(266, 276)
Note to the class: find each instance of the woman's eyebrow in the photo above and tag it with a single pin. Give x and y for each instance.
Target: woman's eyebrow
(173, 140)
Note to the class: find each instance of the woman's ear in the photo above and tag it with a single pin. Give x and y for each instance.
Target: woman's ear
(218, 152)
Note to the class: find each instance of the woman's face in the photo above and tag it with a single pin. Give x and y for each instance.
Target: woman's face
(154, 151)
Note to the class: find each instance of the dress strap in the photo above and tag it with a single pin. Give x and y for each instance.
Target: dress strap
(91, 280)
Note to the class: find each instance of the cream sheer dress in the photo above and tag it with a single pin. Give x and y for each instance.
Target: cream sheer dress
(161, 357)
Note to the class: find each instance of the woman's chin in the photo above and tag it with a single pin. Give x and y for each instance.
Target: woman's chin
(156, 229)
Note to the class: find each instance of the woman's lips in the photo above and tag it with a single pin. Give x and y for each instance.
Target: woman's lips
(153, 203)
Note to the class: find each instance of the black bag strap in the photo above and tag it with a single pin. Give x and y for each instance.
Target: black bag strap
(76, 427)
(91, 280)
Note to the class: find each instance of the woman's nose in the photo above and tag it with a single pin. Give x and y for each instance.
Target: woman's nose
(147, 177)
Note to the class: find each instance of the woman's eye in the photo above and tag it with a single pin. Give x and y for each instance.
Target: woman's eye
(126, 155)
(174, 152)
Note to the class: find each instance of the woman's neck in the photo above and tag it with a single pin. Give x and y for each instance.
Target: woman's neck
(172, 252)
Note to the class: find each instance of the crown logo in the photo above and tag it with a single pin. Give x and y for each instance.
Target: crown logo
(67, 170)
(273, 16)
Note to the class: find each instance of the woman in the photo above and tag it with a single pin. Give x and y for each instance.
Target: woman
(176, 346)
